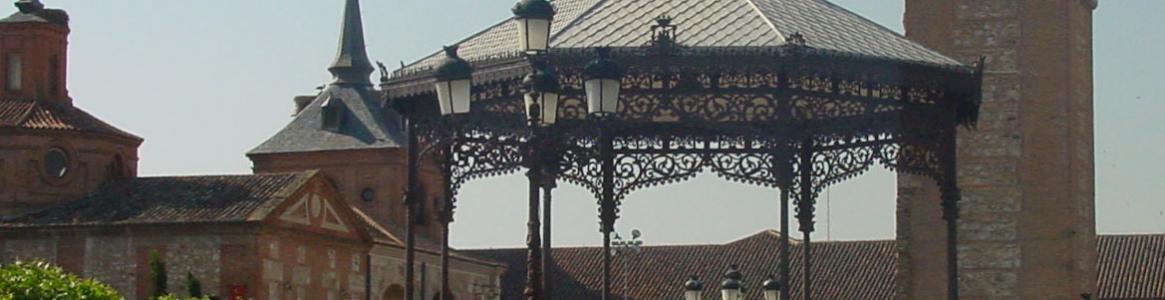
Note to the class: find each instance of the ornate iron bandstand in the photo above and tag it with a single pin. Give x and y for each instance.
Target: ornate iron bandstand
(792, 116)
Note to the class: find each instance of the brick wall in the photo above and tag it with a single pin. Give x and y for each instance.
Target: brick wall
(24, 185)
(352, 171)
(1027, 229)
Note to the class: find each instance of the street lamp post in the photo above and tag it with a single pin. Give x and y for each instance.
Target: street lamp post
(772, 289)
(634, 245)
(693, 289)
(732, 288)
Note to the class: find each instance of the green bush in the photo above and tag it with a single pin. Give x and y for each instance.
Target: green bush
(193, 286)
(41, 281)
(158, 273)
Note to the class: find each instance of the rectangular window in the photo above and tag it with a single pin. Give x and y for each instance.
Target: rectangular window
(15, 65)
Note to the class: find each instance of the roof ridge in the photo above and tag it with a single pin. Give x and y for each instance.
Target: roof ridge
(765, 17)
(865, 19)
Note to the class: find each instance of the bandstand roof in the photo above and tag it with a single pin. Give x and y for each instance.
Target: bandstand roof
(704, 24)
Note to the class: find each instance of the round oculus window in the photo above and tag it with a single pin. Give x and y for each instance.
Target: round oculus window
(56, 163)
(368, 194)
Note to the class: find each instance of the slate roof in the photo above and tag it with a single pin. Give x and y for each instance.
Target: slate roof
(704, 24)
(36, 115)
(171, 200)
(367, 125)
(367, 122)
(1130, 267)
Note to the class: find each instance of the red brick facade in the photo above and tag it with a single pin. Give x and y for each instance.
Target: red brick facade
(40, 49)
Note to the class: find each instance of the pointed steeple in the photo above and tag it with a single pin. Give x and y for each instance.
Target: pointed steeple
(352, 65)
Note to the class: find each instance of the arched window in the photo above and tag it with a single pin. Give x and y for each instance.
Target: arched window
(394, 292)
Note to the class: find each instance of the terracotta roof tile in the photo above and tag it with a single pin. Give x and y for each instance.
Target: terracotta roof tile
(842, 270)
(171, 200)
(44, 116)
(1130, 267)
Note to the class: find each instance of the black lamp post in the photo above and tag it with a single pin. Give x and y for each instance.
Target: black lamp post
(454, 80)
(533, 18)
(693, 289)
(732, 288)
(603, 83)
(772, 289)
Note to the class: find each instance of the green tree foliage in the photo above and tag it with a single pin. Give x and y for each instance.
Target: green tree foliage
(41, 281)
(193, 286)
(158, 273)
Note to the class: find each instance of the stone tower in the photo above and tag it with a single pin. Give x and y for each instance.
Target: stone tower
(50, 151)
(1028, 223)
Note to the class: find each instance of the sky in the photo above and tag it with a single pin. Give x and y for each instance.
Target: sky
(205, 81)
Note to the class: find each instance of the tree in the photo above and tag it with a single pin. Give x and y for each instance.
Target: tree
(193, 286)
(158, 273)
(39, 280)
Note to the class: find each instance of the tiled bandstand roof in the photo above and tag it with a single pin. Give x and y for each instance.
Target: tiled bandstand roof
(704, 24)
(171, 200)
(36, 115)
(1130, 267)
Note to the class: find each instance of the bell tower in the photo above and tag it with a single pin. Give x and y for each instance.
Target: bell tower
(33, 45)
(1027, 228)
(51, 151)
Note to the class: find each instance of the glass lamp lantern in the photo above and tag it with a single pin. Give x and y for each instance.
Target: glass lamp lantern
(542, 95)
(454, 82)
(732, 288)
(533, 18)
(603, 83)
(772, 289)
(693, 289)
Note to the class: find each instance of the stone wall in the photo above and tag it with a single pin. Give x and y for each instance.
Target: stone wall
(388, 267)
(306, 266)
(1027, 229)
(119, 256)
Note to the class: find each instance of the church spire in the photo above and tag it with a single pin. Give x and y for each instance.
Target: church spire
(352, 65)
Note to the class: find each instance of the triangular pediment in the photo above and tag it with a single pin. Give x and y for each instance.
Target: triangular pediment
(318, 208)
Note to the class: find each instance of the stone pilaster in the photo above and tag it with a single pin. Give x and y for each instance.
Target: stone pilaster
(1028, 228)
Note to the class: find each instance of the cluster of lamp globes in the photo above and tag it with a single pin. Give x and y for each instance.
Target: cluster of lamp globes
(533, 18)
(732, 288)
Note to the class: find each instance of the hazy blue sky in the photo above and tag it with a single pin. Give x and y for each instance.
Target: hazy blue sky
(205, 81)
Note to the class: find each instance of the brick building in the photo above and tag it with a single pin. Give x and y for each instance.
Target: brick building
(318, 220)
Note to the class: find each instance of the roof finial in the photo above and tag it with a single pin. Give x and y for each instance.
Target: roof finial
(29, 6)
(352, 65)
